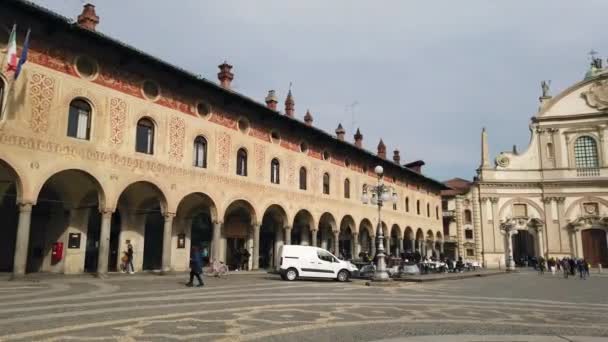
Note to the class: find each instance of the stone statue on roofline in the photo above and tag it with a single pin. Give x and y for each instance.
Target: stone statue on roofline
(545, 88)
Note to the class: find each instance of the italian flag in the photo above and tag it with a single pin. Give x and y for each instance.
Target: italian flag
(12, 50)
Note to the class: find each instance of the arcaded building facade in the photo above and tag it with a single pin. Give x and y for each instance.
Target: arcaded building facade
(102, 145)
(550, 200)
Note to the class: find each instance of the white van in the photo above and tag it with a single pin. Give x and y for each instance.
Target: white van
(312, 262)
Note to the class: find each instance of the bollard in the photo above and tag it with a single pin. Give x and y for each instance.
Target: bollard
(599, 268)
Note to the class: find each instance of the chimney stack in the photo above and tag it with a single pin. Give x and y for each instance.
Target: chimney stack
(290, 105)
(358, 139)
(88, 19)
(225, 75)
(308, 118)
(271, 100)
(396, 156)
(340, 132)
(381, 149)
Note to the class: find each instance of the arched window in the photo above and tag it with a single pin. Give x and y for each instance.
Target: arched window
(79, 119)
(346, 188)
(144, 140)
(200, 152)
(437, 212)
(326, 183)
(585, 153)
(467, 217)
(407, 204)
(550, 153)
(241, 162)
(418, 207)
(303, 180)
(428, 210)
(274, 171)
(1, 97)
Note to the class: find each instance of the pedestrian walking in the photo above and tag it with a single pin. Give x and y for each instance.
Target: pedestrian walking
(580, 264)
(130, 268)
(566, 267)
(196, 267)
(587, 267)
(245, 258)
(572, 266)
(541, 266)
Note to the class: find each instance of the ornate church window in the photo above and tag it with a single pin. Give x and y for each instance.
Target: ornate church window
(274, 171)
(79, 119)
(144, 136)
(467, 217)
(585, 153)
(200, 152)
(241, 162)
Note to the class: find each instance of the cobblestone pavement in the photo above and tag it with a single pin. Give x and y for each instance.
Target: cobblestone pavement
(262, 307)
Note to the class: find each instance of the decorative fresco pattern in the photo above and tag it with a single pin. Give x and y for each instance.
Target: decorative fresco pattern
(259, 152)
(118, 118)
(224, 143)
(177, 133)
(41, 92)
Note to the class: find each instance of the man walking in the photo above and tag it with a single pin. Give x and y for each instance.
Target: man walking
(196, 267)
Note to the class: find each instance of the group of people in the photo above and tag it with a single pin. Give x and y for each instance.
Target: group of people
(241, 257)
(569, 266)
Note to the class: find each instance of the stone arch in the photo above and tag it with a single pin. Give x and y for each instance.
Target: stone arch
(408, 233)
(158, 188)
(347, 245)
(328, 219)
(303, 230)
(241, 204)
(71, 189)
(11, 195)
(367, 237)
(9, 172)
(191, 201)
(287, 216)
(238, 233)
(520, 200)
(272, 235)
(327, 232)
(235, 200)
(576, 204)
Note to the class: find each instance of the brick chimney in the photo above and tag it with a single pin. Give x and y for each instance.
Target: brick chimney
(358, 139)
(396, 156)
(88, 19)
(225, 75)
(340, 132)
(308, 118)
(271, 100)
(290, 105)
(381, 149)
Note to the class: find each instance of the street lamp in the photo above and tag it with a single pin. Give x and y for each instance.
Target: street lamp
(379, 194)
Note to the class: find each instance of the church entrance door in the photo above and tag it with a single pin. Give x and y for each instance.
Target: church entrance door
(595, 249)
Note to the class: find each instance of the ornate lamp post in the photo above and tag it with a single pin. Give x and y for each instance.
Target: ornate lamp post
(379, 194)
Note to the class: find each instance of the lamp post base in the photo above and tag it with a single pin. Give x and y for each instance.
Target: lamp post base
(381, 276)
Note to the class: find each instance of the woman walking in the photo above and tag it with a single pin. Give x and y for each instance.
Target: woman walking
(196, 267)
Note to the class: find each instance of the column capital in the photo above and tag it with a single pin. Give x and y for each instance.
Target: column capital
(560, 199)
(548, 200)
(287, 227)
(484, 199)
(494, 200)
(217, 222)
(106, 211)
(169, 216)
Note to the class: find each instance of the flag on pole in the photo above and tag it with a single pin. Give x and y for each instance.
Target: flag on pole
(12, 50)
(23, 59)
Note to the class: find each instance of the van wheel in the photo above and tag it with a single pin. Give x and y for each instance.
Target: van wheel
(291, 274)
(343, 276)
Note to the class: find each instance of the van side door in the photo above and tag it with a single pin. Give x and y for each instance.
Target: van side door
(325, 264)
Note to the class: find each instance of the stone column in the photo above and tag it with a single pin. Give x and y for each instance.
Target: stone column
(541, 242)
(600, 132)
(217, 231)
(578, 238)
(372, 246)
(256, 246)
(356, 246)
(458, 212)
(336, 243)
(167, 237)
(104, 242)
(400, 248)
(509, 252)
(313, 233)
(22, 239)
(561, 212)
(413, 243)
(287, 236)
(441, 243)
(552, 233)
(557, 147)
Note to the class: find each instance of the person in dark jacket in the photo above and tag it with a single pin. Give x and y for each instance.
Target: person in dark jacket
(196, 267)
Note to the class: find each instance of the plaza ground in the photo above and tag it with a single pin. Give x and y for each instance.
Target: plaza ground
(261, 307)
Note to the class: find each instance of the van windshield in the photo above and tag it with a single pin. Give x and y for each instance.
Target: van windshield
(323, 255)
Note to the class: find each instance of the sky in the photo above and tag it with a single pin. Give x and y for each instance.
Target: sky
(425, 76)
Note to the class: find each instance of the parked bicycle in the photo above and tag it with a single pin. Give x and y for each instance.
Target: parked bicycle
(218, 269)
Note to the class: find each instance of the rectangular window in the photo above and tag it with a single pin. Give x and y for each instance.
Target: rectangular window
(394, 206)
(520, 210)
(470, 252)
(468, 234)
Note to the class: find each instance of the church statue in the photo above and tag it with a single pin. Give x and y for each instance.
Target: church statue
(545, 87)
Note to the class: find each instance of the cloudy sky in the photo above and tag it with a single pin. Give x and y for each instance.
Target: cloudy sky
(425, 76)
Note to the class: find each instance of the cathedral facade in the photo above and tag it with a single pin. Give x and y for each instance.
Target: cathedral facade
(550, 200)
(102, 146)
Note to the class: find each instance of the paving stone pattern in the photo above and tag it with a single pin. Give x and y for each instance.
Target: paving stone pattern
(510, 307)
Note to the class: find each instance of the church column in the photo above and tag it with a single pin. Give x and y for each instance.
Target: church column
(313, 233)
(356, 246)
(509, 252)
(167, 234)
(256, 246)
(477, 217)
(561, 225)
(372, 246)
(557, 147)
(459, 225)
(552, 233)
(578, 238)
(22, 239)
(215, 243)
(104, 242)
(413, 244)
(601, 150)
(287, 236)
(400, 248)
(495, 219)
(541, 241)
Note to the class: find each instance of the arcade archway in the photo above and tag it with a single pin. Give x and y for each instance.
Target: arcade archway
(272, 236)
(9, 212)
(238, 235)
